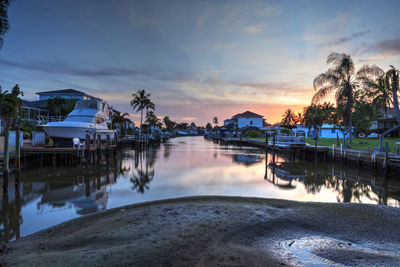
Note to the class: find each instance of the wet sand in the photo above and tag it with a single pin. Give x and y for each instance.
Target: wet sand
(218, 231)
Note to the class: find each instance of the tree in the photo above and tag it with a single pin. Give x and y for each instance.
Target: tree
(168, 123)
(9, 107)
(379, 91)
(59, 106)
(208, 126)
(392, 79)
(343, 79)
(364, 113)
(215, 120)
(4, 24)
(289, 118)
(152, 119)
(313, 117)
(121, 121)
(182, 125)
(141, 101)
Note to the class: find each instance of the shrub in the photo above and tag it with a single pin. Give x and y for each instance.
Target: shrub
(252, 133)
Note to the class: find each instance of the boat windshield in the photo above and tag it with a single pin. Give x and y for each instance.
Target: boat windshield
(79, 119)
(86, 104)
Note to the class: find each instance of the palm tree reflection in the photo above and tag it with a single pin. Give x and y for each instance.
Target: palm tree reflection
(143, 171)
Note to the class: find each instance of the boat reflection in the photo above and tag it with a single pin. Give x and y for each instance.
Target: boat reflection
(284, 174)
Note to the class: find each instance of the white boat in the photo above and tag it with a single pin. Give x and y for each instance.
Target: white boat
(87, 118)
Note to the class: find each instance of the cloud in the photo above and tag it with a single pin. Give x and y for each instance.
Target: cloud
(64, 68)
(389, 46)
(349, 38)
(254, 29)
(189, 118)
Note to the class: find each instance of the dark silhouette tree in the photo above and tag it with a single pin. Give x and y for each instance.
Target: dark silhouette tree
(4, 23)
(141, 100)
(10, 104)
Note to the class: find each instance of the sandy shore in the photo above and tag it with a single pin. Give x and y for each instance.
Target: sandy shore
(218, 231)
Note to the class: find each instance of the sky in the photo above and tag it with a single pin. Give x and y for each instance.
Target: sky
(197, 59)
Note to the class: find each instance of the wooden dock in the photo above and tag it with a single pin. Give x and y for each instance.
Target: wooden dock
(61, 150)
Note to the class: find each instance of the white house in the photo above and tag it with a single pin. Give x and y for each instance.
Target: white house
(245, 119)
(325, 131)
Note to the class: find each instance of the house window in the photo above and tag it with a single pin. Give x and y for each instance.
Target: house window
(251, 122)
(333, 130)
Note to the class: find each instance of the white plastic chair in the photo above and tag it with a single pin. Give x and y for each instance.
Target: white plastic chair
(77, 143)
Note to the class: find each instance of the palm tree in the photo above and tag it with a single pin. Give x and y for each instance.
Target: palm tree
(392, 79)
(151, 119)
(168, 123)
(313, 117)
(215, 120)
(4, 24)
(139, 102)
(56, 105)
(289, 118)
(121, 121)
(378, 90)
(9, 107)
(343, 79)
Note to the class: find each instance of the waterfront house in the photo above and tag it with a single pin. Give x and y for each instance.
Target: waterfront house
(192, 129)
(385, 124)
(327, 131)
(243, 120)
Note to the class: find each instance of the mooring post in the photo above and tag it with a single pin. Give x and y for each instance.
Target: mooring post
(386, 163)
(373, 161)
(333, 152)
(94, 139)
(273, 140)
(17, 149)
(266, 141)
(6, 158)
(98, 147)
(108, 146)
(87, 148)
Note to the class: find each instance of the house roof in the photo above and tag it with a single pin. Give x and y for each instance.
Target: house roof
(247, 114)
(62, 91)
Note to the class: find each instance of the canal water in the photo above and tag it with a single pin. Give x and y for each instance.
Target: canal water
(184, 166)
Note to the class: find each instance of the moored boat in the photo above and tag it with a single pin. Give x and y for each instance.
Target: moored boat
(87, 118)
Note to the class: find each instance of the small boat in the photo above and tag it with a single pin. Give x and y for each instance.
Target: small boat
(87, 118)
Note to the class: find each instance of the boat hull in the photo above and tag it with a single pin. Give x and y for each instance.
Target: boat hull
(62, 136)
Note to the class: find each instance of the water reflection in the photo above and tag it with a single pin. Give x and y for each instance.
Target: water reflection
(185, 166)
(349, 184)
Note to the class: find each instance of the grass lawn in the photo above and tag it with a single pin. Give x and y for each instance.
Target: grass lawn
(358, 143)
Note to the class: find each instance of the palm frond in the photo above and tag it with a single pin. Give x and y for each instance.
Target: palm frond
(368, 70)
(334, 58)
(322, 93)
